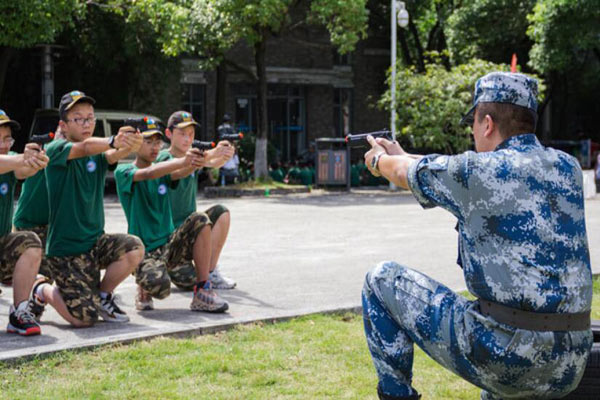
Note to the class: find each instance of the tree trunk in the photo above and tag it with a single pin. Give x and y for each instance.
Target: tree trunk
(404, 47)
(260, 152)
(420, 56)
(6, 54)
(220, 96)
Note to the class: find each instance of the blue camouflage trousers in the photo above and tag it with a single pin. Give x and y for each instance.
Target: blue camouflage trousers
(402, 306)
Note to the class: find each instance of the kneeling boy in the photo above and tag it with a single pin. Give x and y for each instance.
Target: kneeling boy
(143, 191)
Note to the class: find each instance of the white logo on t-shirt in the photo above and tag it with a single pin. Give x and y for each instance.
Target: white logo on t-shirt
(91, 166)
(162, 189)
(4, 188)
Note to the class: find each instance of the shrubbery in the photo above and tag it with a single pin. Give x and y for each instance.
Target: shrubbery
(429, 106)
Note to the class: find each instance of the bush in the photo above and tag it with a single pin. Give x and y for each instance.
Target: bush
(430, 105)
(246, 151)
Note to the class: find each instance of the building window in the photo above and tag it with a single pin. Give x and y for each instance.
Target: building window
(193, 100)
(342, 111)
(286, 111)
(342, 59)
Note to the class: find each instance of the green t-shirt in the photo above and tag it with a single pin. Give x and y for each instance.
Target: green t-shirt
(183, 197)
(277, 175)
(8, 181)
(32, 208)
(306, 176)
(76, 200)
(146, 205)
(294, 174)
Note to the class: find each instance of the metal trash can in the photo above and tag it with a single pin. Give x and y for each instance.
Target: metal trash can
(333, 162)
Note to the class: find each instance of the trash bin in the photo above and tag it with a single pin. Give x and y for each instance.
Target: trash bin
(333, 162)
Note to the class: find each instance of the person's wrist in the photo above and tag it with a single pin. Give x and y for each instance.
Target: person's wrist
(111, 142)
(375, 161)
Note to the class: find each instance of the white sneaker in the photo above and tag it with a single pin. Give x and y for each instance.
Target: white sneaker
(219, 281)
(110, 312)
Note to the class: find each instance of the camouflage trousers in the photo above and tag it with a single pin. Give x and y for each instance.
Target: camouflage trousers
(153, 275)
(78, 277)
(173, 261)
(42, 232)
(12, 247)
(402, 307)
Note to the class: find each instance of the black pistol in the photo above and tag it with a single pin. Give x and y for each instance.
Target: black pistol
(360, 139)
(137, 123)
(197, 144)
(42, 139)
(232, 137)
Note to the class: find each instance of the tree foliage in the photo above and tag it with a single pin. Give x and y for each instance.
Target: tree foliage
(489, 29)
(26, 23)
(564, 32)
(208, 28)
(430, 105)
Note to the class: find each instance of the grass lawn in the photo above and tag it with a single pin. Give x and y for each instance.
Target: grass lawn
(314, 357)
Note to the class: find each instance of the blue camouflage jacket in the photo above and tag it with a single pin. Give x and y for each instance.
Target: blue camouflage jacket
(521, 222)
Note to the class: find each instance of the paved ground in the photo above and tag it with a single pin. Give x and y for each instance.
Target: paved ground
(291, 255)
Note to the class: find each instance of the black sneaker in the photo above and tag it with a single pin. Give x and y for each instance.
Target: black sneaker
(22, 321)
(110, 311)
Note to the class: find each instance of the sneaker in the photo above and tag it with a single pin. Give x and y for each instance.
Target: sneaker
(110, 311)
(205, 299)
(36, 304)
(219, 281)
(143, 300)
(22, 321)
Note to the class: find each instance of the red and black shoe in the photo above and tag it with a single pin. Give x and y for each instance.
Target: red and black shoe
(22, 321)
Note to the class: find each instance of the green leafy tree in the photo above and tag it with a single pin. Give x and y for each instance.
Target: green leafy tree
(26, 23)
(209, 28)
(564, 33)
(489, 29)
(425, 32)
(431, 104)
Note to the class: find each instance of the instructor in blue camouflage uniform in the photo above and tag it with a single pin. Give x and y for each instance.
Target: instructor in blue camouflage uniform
(523, 248)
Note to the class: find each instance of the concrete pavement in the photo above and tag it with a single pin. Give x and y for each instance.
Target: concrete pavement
(291, 255)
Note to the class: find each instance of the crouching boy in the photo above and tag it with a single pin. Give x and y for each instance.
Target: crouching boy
(143, 191)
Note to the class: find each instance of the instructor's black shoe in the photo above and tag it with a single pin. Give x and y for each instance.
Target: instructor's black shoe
(383, 396)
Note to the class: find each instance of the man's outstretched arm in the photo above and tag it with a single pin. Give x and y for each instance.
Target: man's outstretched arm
(389, 160)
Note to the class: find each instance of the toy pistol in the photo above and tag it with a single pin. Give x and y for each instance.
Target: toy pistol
(360, 139)
(42, 139)
(231, 137)
(197, 144)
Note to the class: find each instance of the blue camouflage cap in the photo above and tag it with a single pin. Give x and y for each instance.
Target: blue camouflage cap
(504, 87)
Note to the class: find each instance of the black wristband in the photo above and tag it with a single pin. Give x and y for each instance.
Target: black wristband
(111, 142)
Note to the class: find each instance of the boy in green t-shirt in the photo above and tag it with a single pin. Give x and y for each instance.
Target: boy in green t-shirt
(77, 247)
(293, 175)
(32, 211)
(181, 133)
(20, 252)
(277, 173)
(143, 191)
(306, 175)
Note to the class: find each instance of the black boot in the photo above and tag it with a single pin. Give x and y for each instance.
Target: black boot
(383, 396)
